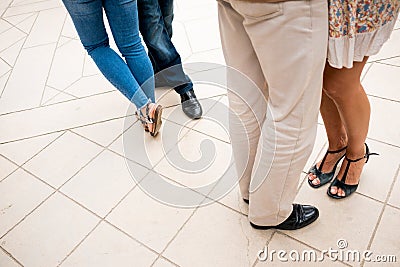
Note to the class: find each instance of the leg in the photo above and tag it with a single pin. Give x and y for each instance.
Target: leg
(123, 20)
(167, 11)
(157, 32)
(343, 86)
(162, 51)
(241, 56)
(88, 20)
(336, 133)
(291, 49)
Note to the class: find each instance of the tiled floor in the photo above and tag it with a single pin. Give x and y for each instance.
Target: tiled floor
(67, 198)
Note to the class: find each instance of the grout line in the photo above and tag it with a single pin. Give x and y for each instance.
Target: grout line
(383, 98)
(45, 9)
(179, 230)
(366, 72)
(387, 64)
(382, 211)
(23, 3)
(5, 84)
(18, 27)
(51, 64)
(266, 245)
(19, 52)
(25, 36)
(10, 255)
(305, 244)
(62, 130)
(48, 105)
(52, 87)
(34, 155)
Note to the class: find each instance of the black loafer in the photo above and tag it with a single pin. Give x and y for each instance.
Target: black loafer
(190, 105)
(301, 216)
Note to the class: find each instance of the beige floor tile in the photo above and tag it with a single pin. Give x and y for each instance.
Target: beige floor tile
(216, 121)
(195, 10)
(69, 29)
(9, 37)
(384, 127)
(375, 180)
(163, 263)
(63, 116)
(387, 239)
(3, 81)
(197, 34)
(216, 236)
(282, 242)
(44, 32)
(352, 219)
(49, 94)
(235, 201)
(4, 25)
(34, 7)
(89, 68)
(23, 150)
(392, 61)
(176, 115)
(46, 236)
(59, 98)
(16, 204)
(106, 246)
(137, 145)
(27, 79)
(196, 161)
(395, 195)
(202, 78)
(107, 178)
(62, 159)
(4, 67)
(104, 133)
(390, 49)
(26, 23)
(147, 220)
(10, 54)
(5, 260)
(6, 167)
(180, 39)
(212, 56)
(91, 85)
(67, 66)
(167, 98)
(4, 4)
(381, 80)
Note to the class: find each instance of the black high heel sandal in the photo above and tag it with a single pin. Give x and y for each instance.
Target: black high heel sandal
(323, 177)
(347, 188)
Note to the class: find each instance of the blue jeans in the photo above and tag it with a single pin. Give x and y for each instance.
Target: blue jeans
(134, 76)
(155, 23)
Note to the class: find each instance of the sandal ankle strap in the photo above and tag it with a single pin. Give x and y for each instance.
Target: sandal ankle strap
(144, 118)
(349, 161)
(366, 156)
(330, 152)
(336, 151)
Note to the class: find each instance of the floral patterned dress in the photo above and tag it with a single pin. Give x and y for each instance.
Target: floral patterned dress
(359, 28)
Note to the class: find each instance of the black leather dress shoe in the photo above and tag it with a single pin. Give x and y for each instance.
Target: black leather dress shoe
(190, 105)
(301, 216)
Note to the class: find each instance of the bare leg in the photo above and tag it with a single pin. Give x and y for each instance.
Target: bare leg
(343, 86)
(336, 132)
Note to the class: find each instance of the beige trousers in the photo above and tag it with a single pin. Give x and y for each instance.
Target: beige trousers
(281, 47)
